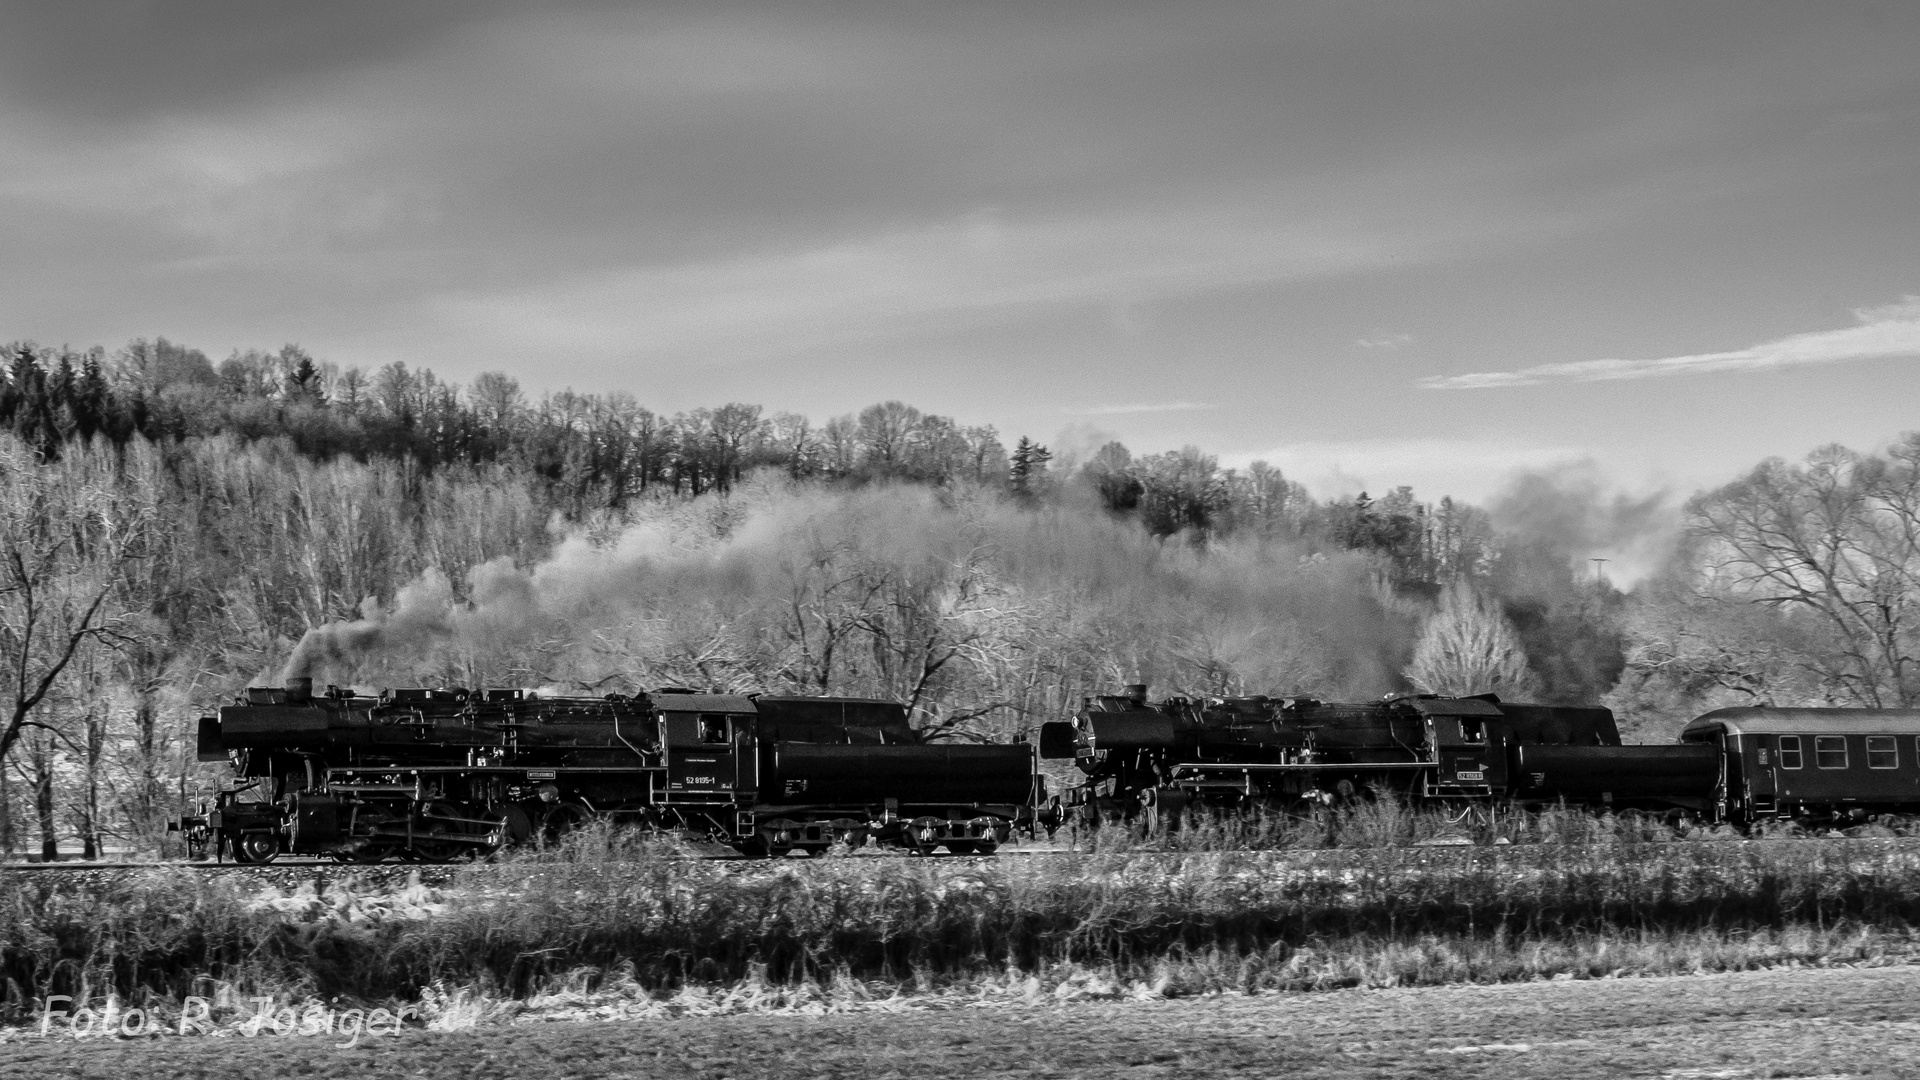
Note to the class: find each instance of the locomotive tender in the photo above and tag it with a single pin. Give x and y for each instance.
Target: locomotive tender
(437, 774)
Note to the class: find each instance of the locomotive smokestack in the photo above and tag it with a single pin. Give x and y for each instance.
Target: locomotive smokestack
(299, 690)
(1136, 693)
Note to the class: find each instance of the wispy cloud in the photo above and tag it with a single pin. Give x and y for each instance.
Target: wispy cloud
(930, 278)
(1127, 410)
(1885, 332)
(1384, 341)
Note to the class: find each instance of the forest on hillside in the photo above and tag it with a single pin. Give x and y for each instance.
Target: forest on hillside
(174, 529)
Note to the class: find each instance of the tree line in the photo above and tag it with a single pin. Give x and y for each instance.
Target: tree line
(170, 528)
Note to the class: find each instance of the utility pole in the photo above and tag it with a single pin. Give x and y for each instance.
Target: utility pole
(1600, 569)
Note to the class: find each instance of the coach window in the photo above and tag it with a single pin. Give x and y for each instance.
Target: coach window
(1883, 752)
(1790, 752)
(1830, 751)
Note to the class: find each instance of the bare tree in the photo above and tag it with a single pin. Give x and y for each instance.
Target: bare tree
(496, 397)
(796, 442)
(1832, 549)
(736, 430)
(1468, 647)
(884, 431)
(397, 391)
(1180, 491)
(64, 536)
(839, 442)
(986, 456)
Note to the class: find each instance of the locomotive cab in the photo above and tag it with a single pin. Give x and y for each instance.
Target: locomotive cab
(710, 747)
(1469, 746)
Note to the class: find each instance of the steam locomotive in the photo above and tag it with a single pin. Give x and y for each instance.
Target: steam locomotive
(1743, 766)
(1170, 754)
(437, 774)
(440, 774)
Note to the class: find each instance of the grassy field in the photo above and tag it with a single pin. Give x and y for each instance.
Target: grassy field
(1834, 1024)
(615, 923)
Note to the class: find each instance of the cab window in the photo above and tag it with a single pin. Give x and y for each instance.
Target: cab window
(683, 729)
(1883, 752)
(1790, 757)
(713, 729)
(1830, 751)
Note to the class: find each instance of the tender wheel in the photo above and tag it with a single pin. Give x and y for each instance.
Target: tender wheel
(755, 847)
(256, 848)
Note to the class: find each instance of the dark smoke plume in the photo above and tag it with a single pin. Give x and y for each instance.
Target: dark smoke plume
(1570, 509)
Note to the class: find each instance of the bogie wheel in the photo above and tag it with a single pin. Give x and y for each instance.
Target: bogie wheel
(256, 847)
(758, 847)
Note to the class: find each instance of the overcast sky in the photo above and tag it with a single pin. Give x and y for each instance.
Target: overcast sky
(1418, 243)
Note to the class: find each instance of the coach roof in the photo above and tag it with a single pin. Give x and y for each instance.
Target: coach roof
(1757, 720)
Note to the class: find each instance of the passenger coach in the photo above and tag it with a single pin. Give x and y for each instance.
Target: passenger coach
(1814, 765)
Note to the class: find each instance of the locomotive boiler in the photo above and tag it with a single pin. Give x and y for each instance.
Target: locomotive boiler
(437, 774)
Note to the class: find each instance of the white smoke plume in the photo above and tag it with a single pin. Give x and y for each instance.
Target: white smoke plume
(959, 600)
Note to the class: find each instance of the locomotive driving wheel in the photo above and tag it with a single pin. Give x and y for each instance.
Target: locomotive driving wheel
(561, 819)
(446, 831)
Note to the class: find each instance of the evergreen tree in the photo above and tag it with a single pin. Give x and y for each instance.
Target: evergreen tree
(1027, 473)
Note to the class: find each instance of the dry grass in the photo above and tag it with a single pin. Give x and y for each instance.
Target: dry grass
(1379, 822)
(617, 918)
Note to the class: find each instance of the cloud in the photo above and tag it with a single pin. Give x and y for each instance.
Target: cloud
(1128, 410)
(959, 271)
(1885, 332)
(1384, 341)
(1907, 307)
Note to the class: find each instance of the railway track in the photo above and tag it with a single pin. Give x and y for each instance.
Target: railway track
(724, 856)
(77, 866)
